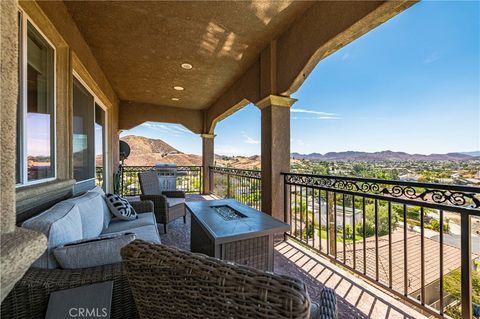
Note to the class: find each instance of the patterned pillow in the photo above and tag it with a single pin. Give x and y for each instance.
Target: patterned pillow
(120, 207)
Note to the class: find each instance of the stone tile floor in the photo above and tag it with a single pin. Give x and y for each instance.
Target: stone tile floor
(356, 297)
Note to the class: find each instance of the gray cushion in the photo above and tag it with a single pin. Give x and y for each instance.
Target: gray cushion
(118, 225)
(173, 201)
(90, 206)
(107, 215)
(148, 233)
(61, 224)
(93, 252)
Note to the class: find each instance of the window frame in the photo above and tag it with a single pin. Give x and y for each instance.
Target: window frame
(99, 102)
(23, 22)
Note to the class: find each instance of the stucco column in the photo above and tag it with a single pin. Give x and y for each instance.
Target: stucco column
(275, 157)
(19, 246)
(208, 159)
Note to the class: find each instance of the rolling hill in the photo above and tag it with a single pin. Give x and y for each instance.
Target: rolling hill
(148, 152)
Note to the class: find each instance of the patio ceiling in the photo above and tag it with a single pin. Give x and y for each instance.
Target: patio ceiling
(141, 45)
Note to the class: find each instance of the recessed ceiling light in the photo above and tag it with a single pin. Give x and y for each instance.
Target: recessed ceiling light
(179, 88)
(187, 66)
(175, 99)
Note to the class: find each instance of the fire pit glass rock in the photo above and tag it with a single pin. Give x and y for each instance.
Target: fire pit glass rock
(227, 213)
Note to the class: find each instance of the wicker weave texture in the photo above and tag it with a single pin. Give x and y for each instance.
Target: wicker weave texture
(29, 297)
(149, 183)
(144, 206)
(252, 252)
(170, 283)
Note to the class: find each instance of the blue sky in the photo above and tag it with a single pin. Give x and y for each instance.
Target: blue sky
(412, 85)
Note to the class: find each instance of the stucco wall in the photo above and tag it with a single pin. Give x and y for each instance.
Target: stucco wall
(19, 247)
(9, 92)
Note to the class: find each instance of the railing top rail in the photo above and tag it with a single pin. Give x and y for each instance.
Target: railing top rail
(143, 167)
(223, 168)
(469, 189)
(459, 199)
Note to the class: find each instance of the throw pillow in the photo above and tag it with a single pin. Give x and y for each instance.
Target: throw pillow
(103, 250)
(120, 207)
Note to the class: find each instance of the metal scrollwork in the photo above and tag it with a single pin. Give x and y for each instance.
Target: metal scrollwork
(236, 171)
(413, 192)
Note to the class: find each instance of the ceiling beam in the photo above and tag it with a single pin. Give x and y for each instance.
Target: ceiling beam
(132, 114)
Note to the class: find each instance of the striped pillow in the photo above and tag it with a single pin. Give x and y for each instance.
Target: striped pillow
(120, 207)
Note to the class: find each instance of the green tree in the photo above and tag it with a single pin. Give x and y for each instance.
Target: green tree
(382, 220)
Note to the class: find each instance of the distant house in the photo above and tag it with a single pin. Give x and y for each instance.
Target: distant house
(451, 261)
(409, 177)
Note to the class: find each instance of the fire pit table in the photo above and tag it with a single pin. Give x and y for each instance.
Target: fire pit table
(229, 230)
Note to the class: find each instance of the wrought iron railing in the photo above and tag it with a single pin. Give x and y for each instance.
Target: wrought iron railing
(413, 239)
(189, 179)
(99, 176)
(243, 185)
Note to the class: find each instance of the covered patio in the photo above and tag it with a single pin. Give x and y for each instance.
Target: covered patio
(77, 71)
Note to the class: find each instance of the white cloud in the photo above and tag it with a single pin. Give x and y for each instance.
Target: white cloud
(431, 58)
(318, 115)
(312, 112)
(173, 129)
(249, 140)
(345, 56)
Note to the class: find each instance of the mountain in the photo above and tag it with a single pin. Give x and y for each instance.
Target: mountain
(474, 153)
(381, 156)
(148, 152)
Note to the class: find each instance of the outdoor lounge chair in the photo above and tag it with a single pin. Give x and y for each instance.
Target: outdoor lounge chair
(170, 283)
(169, 205)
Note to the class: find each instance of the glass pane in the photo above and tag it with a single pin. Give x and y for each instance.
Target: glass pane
(83, 134)
(40, 107)
(99, 138)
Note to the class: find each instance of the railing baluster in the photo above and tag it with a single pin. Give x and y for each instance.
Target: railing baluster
(441, 262)
(301, 213)
(335, 222)
(405, 246)
(466, 272)
(344, 230)
(422, 256)
(327, 226)
(364, 237)
(354, 234)
(313, 217)
(295, 215)
(390, 245)
(376, 240)
(320, 219)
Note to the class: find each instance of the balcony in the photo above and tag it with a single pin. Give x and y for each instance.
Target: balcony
(89, 70)
(388, 268)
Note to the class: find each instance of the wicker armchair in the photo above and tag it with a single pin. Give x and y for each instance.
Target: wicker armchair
(29, 298)
(166, 209)
(169, 283)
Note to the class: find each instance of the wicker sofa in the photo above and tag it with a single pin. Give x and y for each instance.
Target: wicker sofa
(71, 220)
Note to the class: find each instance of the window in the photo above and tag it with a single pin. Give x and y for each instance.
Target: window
(83, 133)
(88, 136)
(99, 144)
(36, 106)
